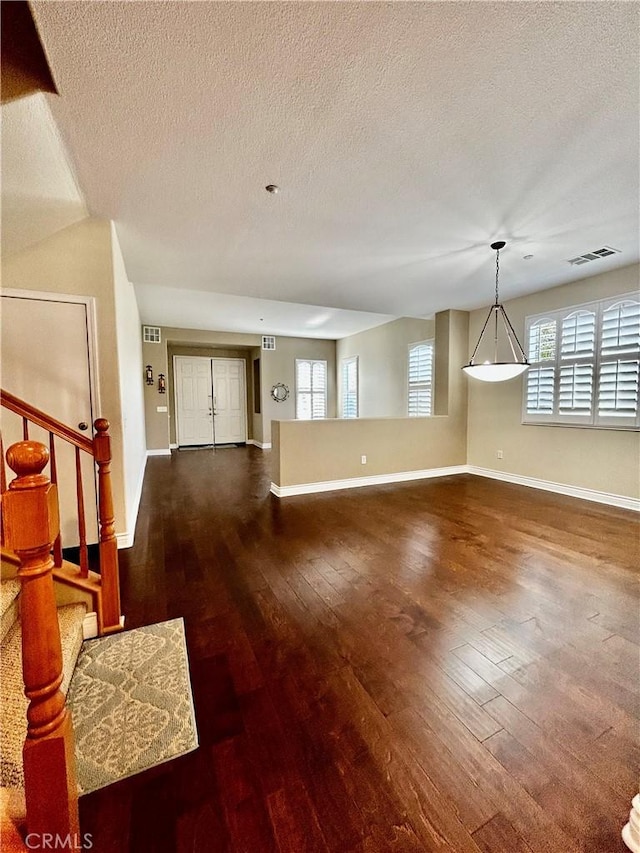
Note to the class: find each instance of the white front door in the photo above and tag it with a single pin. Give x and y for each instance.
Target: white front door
(230, 400)
(46, 362)
(194, 410)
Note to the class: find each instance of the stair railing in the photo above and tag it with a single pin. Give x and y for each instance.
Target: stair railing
(99, 448)
(31, 525)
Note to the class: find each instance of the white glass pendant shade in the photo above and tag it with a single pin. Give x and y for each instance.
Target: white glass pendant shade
(495, 372)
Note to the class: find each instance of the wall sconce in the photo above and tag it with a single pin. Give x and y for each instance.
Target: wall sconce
(162, 385)
(149, 374)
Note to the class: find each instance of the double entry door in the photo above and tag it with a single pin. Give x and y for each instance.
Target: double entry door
(211, 400)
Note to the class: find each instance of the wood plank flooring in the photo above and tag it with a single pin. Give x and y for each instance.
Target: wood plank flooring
(449, 665)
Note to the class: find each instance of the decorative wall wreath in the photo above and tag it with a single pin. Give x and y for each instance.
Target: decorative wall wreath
(279, 392)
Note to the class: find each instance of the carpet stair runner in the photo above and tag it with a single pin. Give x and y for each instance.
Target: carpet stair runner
(129, 696)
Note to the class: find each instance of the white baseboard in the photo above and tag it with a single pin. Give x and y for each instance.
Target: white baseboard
(173, 447)
(404, 476)
(559, 488)
(358, 482)
(90, 626)
(124, 540)
(266, 446)
(165, 451)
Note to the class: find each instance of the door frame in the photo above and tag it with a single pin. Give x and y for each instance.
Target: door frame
(92, 334)
(244, 394)
(176, 407)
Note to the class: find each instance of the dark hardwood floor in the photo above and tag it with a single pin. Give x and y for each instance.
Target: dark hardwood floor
(447, 665)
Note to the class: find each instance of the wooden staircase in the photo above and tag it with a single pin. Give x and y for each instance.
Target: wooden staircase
(44, 603)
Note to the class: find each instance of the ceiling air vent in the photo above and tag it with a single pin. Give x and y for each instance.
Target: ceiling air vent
(592, 256)
(268, 342)
(151, 334)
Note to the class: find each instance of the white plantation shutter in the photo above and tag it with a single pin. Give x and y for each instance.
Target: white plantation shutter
(311, 389)
(540, 384)
(420, 389)
(350, 387)
(619, 364)
(542, 341)
(540, 390)
(577, 350)
(585, 365)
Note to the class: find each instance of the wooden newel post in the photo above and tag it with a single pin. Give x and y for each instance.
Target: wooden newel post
(31, 522)
(109, 573)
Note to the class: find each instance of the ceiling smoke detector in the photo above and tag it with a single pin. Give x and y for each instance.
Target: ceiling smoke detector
(604, 252)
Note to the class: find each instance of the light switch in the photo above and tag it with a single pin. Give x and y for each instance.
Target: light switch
(161, 409)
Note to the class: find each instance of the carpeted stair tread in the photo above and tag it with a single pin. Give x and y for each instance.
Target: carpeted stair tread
(131, 702)
(14, 703)
(9, 592)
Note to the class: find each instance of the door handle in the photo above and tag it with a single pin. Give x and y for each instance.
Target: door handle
(83, 425)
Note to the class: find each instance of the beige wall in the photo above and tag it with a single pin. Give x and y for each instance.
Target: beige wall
(79, 260)
(279, 366)
(602, 459)
(160, 426)
(321, 451)
(382, 365)
(129, 340)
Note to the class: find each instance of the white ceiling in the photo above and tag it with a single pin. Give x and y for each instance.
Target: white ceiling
(405, 137)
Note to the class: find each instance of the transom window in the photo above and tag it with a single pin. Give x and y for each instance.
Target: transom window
(350, 387)
(420, 373)
(585, 365)
(311, 389)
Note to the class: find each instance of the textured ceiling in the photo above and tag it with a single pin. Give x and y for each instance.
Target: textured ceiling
(405, 137)
(39, 192)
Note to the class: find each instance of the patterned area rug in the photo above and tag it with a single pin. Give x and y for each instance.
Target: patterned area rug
(131, 701)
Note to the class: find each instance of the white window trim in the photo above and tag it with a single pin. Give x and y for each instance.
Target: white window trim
(409, 385)
(344, 363)
(593, 420)
(312, 361)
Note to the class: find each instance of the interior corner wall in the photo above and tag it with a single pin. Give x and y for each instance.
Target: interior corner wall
(382, 365)
(206, 352)
(78, 260)
(279, 365)
(129, 342)
(601, 459)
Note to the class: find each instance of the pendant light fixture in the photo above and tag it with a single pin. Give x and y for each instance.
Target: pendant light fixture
(498, 371)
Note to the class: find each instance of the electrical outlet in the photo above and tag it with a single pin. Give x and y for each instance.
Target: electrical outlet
(363, 459)
(499, 454)
(161, 409)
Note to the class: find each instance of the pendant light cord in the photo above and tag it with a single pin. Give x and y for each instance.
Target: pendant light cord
(497, 272)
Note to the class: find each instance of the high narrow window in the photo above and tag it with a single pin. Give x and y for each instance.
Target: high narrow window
(420, 373)
(585, 365)
(311, 389)
(350, 387)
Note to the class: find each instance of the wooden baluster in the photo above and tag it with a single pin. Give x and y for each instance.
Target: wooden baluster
(31, 520)
(82, 527)
(109, 575)
(57, 545)
(3, 470)
(3, 484)
(25, 429)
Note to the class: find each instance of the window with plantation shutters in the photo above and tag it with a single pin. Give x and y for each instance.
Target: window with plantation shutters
(350, 387)
(585, 365)
(619, 367)
(311, 389)
(420, 373)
